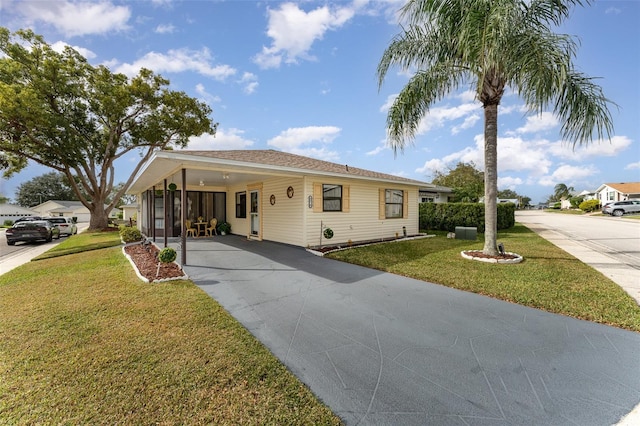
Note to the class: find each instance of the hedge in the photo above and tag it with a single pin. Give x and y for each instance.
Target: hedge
(446, 216)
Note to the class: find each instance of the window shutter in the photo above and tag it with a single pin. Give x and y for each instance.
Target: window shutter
(346, 199)
(382, 204)
(317, 197)
(405, 204)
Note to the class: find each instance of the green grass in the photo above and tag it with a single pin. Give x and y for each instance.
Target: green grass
(84, 241)
(548, 278)
(84, 341)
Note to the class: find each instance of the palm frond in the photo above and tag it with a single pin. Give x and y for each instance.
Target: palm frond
(583, 110)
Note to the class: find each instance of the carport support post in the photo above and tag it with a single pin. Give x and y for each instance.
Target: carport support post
(183, 218)
(165, 211)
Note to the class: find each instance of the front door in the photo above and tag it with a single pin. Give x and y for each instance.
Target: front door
(255, 213)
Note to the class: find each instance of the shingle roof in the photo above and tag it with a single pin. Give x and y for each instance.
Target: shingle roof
(626, 188)
(293, 161)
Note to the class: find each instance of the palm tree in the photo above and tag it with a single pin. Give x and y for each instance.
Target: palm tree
(492, 45)
(561, 191)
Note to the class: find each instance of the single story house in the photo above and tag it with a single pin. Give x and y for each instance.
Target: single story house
(434, 194)
(12, 212)
(69, 209)
(129, 211)
(273, 195)
(608, 192)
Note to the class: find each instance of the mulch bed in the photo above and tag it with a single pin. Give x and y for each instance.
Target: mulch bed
(481, 255)
(145, 257)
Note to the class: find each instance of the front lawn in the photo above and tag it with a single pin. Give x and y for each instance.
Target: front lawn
(548, 278)
(84, 341)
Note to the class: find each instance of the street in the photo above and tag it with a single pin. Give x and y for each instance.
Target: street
(618, 238)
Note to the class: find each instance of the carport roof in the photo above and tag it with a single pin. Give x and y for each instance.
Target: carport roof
(250, 161)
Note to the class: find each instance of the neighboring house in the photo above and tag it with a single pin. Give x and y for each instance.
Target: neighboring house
(12, 212)
(509, 200)
(69, 209)
(608, 192)
(587, 195)
(129, 211)
(503, 201)
(273, 195)
(434, 194)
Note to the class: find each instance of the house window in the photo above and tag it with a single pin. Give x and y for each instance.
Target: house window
(426, 200)
(331, 198)
(241, 204)
(393, 202)
(611, 196)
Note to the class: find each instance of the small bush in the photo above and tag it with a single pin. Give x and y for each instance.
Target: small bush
(589, 206)
(130, 234)
(8, 222)
(167, 255)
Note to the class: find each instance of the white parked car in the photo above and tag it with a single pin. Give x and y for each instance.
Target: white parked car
(620, 208)
(66, 225)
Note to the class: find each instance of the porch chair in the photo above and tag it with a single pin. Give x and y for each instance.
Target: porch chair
(212, 229)
(190, 229)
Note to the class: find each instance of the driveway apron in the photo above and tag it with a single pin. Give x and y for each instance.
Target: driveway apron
(381, 349)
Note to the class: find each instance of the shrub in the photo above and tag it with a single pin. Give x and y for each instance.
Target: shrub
(589, 206)
(8, 222)
(224, 227)
(446, 216)
(167, 255)
(130, 234)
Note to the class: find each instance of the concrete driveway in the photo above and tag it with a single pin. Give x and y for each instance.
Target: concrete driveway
(381, 349)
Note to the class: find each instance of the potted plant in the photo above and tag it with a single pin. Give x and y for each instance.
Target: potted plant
(224, 227)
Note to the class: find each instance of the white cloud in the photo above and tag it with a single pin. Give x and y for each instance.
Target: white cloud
(508, 182)
(208, 97)
(514, 155)
(377, 150)
(224, 139)
(179, 60)
(468, 123)
(440, 116)
(299, 140)
(77, 18)
(539, 123)
(632, 166)
(468, 96)
(249, 80)
(59, 46)
(599, 148)
(165, 29)
(569, 175)
(293, 31)
(432, 166)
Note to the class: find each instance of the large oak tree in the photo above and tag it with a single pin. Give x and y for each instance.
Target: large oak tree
(58, 110)
(492, 45)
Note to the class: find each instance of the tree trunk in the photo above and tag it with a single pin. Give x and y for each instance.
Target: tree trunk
(490, 179)
(99, 217)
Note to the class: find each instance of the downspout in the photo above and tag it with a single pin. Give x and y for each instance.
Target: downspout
(183, 217)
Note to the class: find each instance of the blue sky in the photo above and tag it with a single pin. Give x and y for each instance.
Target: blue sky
(301, 77)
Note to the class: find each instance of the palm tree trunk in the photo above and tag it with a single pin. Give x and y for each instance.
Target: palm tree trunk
(490, 179)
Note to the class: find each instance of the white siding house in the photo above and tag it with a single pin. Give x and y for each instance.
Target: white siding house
(608, 192)
(12, 212)
(275, 196)
(68, 209)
